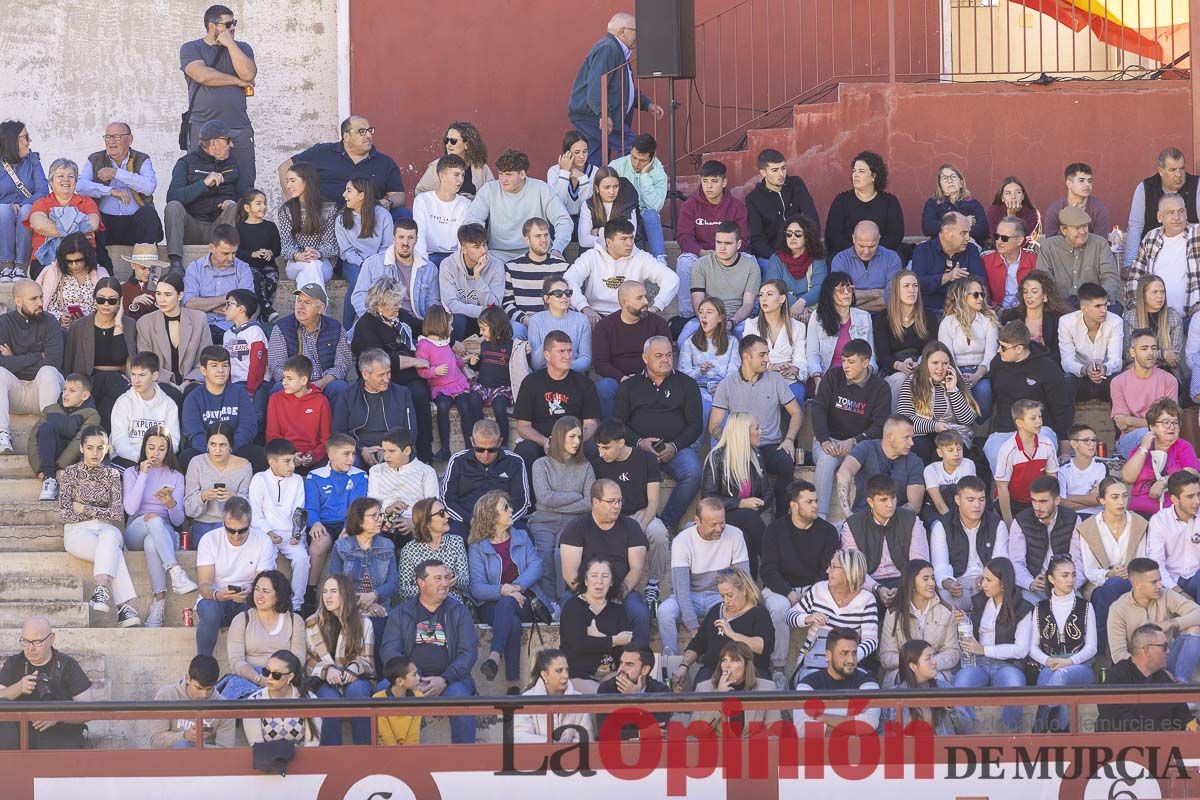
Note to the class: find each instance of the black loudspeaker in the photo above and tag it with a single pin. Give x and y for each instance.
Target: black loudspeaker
(666, 38)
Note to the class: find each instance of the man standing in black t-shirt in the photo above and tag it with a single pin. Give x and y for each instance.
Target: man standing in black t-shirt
(41, 673)
(618, 539)
(550, 393)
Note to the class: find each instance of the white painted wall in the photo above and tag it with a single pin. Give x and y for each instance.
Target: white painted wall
(67, 69)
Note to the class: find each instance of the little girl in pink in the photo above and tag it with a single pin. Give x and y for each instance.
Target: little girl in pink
(448, 385)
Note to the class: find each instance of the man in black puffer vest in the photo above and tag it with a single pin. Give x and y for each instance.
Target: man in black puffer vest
(205, 186)
(1039, 533)
(962, 542)
(1171, 177)
(888, 536)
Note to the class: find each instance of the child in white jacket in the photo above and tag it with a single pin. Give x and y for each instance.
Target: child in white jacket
(141, 408)
(277, 509)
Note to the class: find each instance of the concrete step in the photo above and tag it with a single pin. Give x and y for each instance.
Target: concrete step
(49, 588)
(31, 538)
(14, 466)
(61, 613)
(30, 512)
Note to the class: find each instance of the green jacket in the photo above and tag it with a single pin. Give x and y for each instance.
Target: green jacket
(85, 415)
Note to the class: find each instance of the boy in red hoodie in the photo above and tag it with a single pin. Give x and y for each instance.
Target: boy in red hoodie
(697, 228)
(300, 413)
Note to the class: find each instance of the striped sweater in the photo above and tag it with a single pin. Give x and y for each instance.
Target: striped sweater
(523, 279)
(861, 614)
(414, 481)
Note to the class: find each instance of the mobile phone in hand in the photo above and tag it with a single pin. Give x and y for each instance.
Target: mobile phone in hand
(218, 486)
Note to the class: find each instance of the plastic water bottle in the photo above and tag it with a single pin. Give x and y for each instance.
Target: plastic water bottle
(965, 631)
(1116, 240)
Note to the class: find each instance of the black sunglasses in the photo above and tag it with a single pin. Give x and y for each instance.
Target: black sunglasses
(108, 301)
(976, 295)
(238, 531)
(560, 293)
(449, 140)
(487, 449)
(230, 24)
(1000, 237)
(266, 673)
(441, 512)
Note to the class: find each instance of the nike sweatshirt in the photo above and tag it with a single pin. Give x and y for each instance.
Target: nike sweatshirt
(306, 422)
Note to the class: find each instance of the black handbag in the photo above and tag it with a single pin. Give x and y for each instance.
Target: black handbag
(273, 757)
(185, 119)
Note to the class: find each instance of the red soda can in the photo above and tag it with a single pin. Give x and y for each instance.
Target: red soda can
(1102, 449)
(185, 540)
(188, 621)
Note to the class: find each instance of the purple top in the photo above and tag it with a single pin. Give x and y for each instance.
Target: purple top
(140, 488)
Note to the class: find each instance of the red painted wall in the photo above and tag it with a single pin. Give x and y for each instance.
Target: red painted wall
(987, 130)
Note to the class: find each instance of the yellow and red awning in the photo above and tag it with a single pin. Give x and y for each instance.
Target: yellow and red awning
(1136, 26)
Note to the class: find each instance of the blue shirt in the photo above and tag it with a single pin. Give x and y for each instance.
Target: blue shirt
(29, 171)
(335, 167)
(875, 274)
(930, 263)
(144, 181)
(202, 280)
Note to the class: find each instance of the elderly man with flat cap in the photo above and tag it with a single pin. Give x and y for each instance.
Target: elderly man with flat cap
(1078, 256)
(309, 331)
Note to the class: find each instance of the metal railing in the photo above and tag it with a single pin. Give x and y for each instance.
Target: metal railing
(758, 59)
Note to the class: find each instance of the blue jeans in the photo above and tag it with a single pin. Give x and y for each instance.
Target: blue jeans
(462, 326)
(1102, 599)
(437, 258)
(685, 469)
(982, 393)
(684, 265)
(993, 672)
(462, 729)
(16, 241)
(1191, 586)
(669, 615)
(798, 391)
(211, 616)
(652, 222)
(350, 273)
(505, 617)
(331, 727)
(1076, 675)
(589, 129)
(235, 687)
(199, 529)
(639, 617)
(1183, 656)
(607, 389)
(1130, 441)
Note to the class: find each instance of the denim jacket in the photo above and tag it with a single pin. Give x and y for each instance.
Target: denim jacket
(486, 567)
(349, 559)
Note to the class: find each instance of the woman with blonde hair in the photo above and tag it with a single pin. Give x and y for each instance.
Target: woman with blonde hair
(505, 576)
(734, 474)
(1150, 310)
(341, 655)
(839, 601)
(562, 484)
(970, 331)
(950, 193)
(933, 400)
(903, 332)
(739, 617)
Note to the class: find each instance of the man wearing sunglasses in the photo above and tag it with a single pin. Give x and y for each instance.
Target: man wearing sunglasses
(946, 258)
(1009, 263)
(227, 560)
(483, 467)
(220, 73)
(354, 156)
(1146, 663)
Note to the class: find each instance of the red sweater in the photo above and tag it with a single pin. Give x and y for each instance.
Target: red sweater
(698, 221)
(306, 421)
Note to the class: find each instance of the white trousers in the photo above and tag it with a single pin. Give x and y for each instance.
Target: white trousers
(103, 545)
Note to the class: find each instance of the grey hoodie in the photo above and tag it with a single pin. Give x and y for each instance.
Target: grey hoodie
(463, 293)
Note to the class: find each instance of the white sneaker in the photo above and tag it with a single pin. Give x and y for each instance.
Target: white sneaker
(6, 447)
(180, 582)
(6, 274)
(127, 617)
(156, 614)
(18, 272)
(100, 600)
(49, 490)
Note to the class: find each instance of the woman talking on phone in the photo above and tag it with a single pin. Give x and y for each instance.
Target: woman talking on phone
(934, 400)
(67, 283)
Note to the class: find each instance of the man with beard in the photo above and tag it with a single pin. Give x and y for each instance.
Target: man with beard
(618, 339)
(842, 673)
(1040, 532)
(31, 358)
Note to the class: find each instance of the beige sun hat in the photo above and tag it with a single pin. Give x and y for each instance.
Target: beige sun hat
(146, 254)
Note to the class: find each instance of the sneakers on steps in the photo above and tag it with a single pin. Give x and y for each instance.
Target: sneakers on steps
(49, 490)
(127, 616)
(101, 598)
(6, 271)
(6, 447)
(156, 614)
(180, 582)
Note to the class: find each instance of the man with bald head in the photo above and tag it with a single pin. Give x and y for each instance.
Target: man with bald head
(950, 256)
(41, 673)
(584, 108)
(1171, 177)
(870, 265)
(618, 339)
(31, 358)
(122, 181)
(354, 156)
(1172, 252)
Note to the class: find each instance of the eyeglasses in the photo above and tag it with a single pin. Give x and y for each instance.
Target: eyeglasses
(238, 531)
(1000, 237)
(614, 502)
(1168, 422)
(560, 293)
(79, 260)
(115, 137)
(363, 131)
(794, 234)
(1090, 440)
(1163, 645)
(1004, 348)
(450, 140)
(486, 449)
(373, 514)
(266, 673)
(27, 643)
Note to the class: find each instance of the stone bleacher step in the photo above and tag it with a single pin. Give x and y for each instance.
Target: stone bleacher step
(61, 613)
(31, 538)
(47, 587)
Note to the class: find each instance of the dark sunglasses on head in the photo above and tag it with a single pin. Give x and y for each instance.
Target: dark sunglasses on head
(560, 293)
(266, 673)
(1000, 237)
(449, 140)
(487, 449)
(108, 301)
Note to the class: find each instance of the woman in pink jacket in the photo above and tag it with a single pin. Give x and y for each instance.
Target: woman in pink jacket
(447, 383)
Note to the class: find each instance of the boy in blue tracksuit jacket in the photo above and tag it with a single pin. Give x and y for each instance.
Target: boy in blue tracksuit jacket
(329, 490)
(218, 400)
